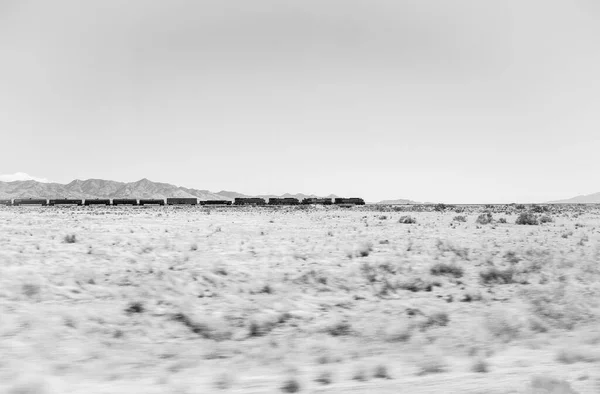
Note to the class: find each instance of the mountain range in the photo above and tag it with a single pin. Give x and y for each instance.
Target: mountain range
(99, 188)
(583, 199)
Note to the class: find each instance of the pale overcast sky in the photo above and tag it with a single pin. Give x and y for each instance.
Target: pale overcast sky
(431, 100)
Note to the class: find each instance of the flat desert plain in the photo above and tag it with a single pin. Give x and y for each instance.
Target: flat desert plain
(319, 300)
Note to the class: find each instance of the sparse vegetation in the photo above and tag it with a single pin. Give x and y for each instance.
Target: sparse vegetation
(460, 218)
(319, 298)
(498, 276)
(446, 269)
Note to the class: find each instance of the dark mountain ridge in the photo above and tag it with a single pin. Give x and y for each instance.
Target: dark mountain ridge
(100, 188)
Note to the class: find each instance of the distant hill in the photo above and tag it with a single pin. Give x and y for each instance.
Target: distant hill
(397, 202)
(587, 199)
(99, 188)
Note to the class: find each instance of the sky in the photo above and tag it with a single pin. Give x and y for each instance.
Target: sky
(463, 101)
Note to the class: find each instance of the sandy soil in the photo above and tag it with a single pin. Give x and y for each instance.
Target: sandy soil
(326, 300)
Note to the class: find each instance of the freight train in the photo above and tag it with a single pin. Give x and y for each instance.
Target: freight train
(252, 201)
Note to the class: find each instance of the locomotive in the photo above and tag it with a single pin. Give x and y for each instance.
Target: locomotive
(239, 201)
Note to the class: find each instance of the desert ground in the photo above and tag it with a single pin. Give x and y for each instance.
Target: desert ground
(314, 300)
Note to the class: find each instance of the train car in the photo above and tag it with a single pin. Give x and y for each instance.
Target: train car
(317, 201)
(215, 202)
(96, 201)
(6, 202)
(65, 201)
(124, 201)
(349, 201)
(152, 201)
(249, 201)
(283, 201)
(30, 201)
(182, 201)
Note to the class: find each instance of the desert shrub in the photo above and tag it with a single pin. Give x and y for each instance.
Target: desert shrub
(223, 381)
(567, 234)
(480, 366)
(324, 377)
(503, 324)
(135, 307)
(560, 305)
(520, 207)
(440, 207)
(417, 284)
(527, 218)
(446, 269)
(381, 372)
(291, 385)
(574, 355)
(502, 220)
(70, 239)
(537, 325)
(432, 364)
(471, 296)
(30, 289)
(360, 374)
(460, 218)
(437, 319)
(407, 220)
(484, 218)
(539, 209)
(364, 249)
(338, 328)
(194, 247)
(546, 219)
(261, 325)
(325, 359)
(207, 329)
(398, 332)
(495, 275)
(383, 217)
(512, 257)
(548, 385)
